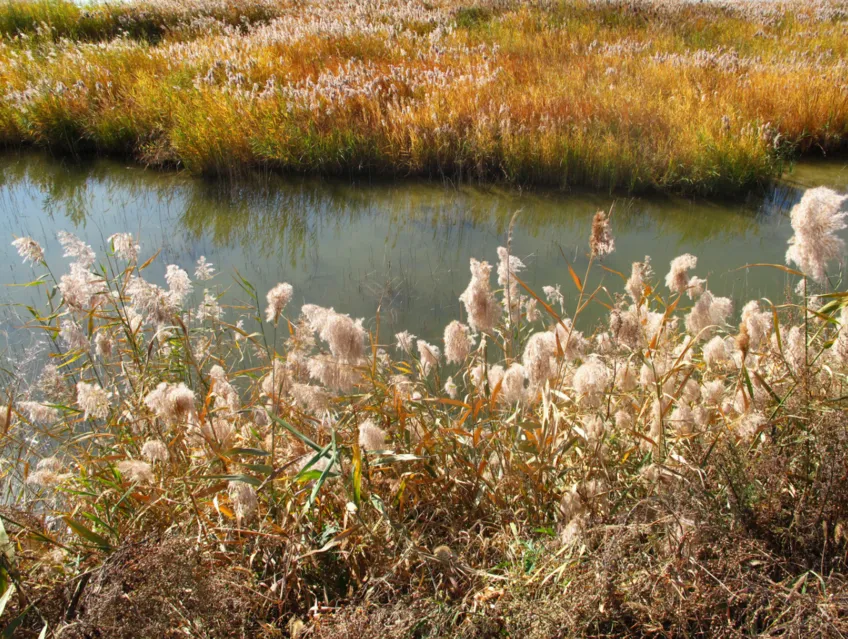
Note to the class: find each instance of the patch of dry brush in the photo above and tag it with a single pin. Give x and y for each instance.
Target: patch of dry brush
(181, 468)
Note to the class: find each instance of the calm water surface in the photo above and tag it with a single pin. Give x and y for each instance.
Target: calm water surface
(402, 246)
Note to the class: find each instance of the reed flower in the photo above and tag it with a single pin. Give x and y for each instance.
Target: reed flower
(429, 355)
(93, 400)
(40, 413)
(313, 398)
(457, 342)
(278, 297)
(645, 382)
(451, 388)
(209, 308)
(51, 383)
(71, 335)
(815, 219)
(682, 419)
(371, 436)
(713, 392)
(405, 341)
(539, 357)
(125, 246)
(495, 375)
(82, 290)
(48, 473)
(333, 372)
(204, 270)
(795, 348)
(479, 301)
(758, 324)
(571, 341)
(508, 266)
(77, 249)
(640, 273)
(626, 377)
(677, 279)
(103, 344)
(554, 296)
(591, 380)
(276, 382)
(531, 309)
(707, 313)
(601, 241)
(49, 463)
(715, 352)
(179, 284)
(345, 337)
(626, 327)
(150, 300)
(226, 396)
(137, 471)
(172, 403)
(244, 498)
(29, 250)
(513, 384)
(155, 451)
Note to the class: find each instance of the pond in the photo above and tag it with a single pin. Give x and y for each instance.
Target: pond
(402, 246)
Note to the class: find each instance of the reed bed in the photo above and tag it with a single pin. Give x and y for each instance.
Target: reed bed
(646, 95)
(176, 468)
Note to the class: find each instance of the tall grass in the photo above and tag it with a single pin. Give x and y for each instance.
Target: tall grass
(149, 21)
(646, 96)
(236, 471)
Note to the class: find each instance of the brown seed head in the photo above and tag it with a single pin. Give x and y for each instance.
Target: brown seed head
(601, 241)
(444, 555)
(743, 339)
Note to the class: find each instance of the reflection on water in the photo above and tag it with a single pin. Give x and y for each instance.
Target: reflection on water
(402, 246)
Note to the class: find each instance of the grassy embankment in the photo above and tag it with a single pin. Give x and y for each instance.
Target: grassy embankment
(631, 96)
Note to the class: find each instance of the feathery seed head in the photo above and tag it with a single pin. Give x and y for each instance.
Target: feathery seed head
(457, 342)
(601, 241)
(479, 301)
(155, 451)
(29, 250)
(371, 436)
(815, 219)
(278, 298)
(136, 471)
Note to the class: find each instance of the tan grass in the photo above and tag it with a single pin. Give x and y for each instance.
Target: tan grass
(613, 95)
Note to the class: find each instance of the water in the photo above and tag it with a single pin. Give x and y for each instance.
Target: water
(401, 246)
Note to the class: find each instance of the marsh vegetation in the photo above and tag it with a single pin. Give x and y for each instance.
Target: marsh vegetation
(260, 466)
(690, 97)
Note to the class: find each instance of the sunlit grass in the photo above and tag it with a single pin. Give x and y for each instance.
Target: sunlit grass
(644, 97)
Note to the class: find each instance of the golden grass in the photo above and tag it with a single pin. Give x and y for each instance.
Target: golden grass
(234, 472)
(635, 96)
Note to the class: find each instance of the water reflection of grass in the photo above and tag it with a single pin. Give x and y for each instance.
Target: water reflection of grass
(275, 215)
(401, 246)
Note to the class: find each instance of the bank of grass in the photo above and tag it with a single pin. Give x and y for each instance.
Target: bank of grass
(174, 468)
(149, 21)
(613, 95)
